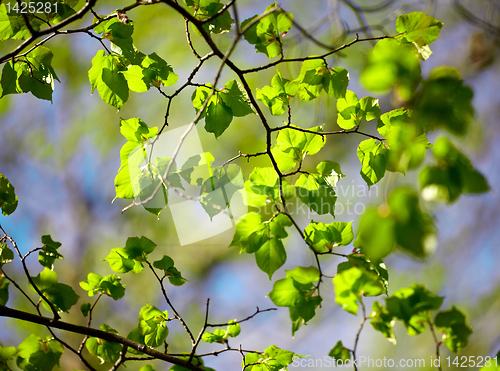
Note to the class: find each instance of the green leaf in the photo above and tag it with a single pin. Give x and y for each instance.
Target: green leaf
(412, 305)
(137, 336)
(35, 353)
(204, 9)
(392, 64)
(85, 309)
(323, 237)
(31, 73)
(376, 266)
(376, 236)
(164, 263)
(353, 283)
(414, 229)
(400, 224)
(218, 190)
(453, 175)
(304, 275)
(407, 146)
(234, 96)
(157, 71)
(109, 285)
(389, 119)
(8, 81)
(262, 187)
(136, 79)
(277, 96)
(315, 192)
(197, 169)
(222, 106)
(233, 329)
(105, 76)
(350, 113)
(296, 292)
(48, 255)
(136, 130)
(418, 28)
(285, 293)
(340, 353)
(453, 325)
(6, 254)
(373, 158)
(167, 265)
(218, 116)
(7, 354)
(266, 33)
(4, 291)
(147, 368)
(62, 296)
(315, 76)
(383, 321)
(121, 261)
(153, 324)
(271, 256)
(336, 84)
(8, 198)
(304, 311)
(330, 171)
(444, 101)
(282, 356)
(216, 337)
(370, 108)
(139, 247)
(245, 226)
(292, 146)
(105, 350)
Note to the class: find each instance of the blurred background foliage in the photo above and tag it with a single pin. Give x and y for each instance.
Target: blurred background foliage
(62, 159)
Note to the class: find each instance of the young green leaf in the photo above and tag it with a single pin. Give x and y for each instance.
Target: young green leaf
(277, 96)
(412, 305)
(452, 324)
(418, 28)
(373, 158)
(4, 290)
(315, 192)
(105, 76)
(6, 255)
(340, 353)
(353, 283)
(8, 198)
(35, 353)
(48, 253)
(383, 321)
(62, 296)
(106, 351)
(153, 324)
(453, 175)
(266, 32)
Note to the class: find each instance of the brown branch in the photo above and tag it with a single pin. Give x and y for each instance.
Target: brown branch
(242, 320)
(436, 341)
(109, 336)
(244, 155)
(49, 30)
(283, 60)
(356, 341)
(164, 292)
